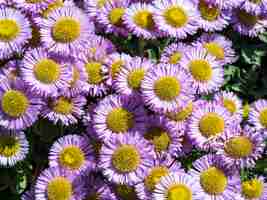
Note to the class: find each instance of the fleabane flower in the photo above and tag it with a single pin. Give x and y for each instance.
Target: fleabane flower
(258, 114)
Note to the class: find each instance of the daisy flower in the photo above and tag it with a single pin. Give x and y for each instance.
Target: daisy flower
(131, 75)
(173, 53)
(32, 6)
(73, 153)
(212, 16)
(138, 18)
(177, 185)
(240, 148)
(125, 159)
(118, 115)
(254, 189)
(14, 147)
(206, 72)
(208, 122)
(231, 102)
(15, 31)
(58, 37)
(162, 166)
(64, 109)
(218, 46)
(162, 135)
(258, 114)
(214, 180)
(56, 183)
(176, 18)
(19, 109)
(45, 74)
(166, 88)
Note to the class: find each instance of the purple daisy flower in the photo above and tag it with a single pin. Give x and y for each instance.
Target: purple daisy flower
(176, 18)
(177, 184)
(58, 37)
(116, 115)
(162, 135)
(219, 46)
(240, 148)
(166, 88)
(173, 53)
(212, 15)
(32, 6)
(45, 74)
(138, 18)
(19, 109)
(256, 7)
(73, 153)
(205, 71)
(125, 158)
(14, 147)
(208, 122)
(258, 114)
(248, 24)
(64, 109)
(15, 31)
(131, 75)
(162, 166)
(254, 189)
(214, 180)
(56, 183)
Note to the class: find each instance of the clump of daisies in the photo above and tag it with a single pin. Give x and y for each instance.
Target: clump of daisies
(128, 123)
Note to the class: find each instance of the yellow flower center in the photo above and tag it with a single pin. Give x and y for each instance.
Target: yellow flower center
(115, 16)
(208, 12)
(183, 114)
(246, 18)
(115, 68)
(66, 30)
(213, 181)
(215, 49)
(126, 192)
(167, 88)
(263, 118)
(252, 189)
(211, 124)
(135, 78)
(175, 58)
(229, 105)
(200, 70)
(144, 19)
(154, 176)
(71, 157)
(179, 192)
(120, 120)
(9, 146)
(159, 138)
(51, 7)
(94, 71)
(63, 106)
(9, 30)
(59, 188)
(176, 16)
(47, 71)
(238, 147)
(14, 103)
(126, 159)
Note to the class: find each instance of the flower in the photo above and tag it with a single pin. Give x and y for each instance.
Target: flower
(176, 18)
(15, 31)
(117, 115)
(73, 153)
(177, 184)
(166, 88)
(258, 114)
(14, 147)
(92, 7)
(205, 71)
(255, 7)
(64, 109)
(214, 180)
(124, 159)
(131, 75)
(58, 37)
(240, 148)
(254, 188)
(44, 73)
(19, 109)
